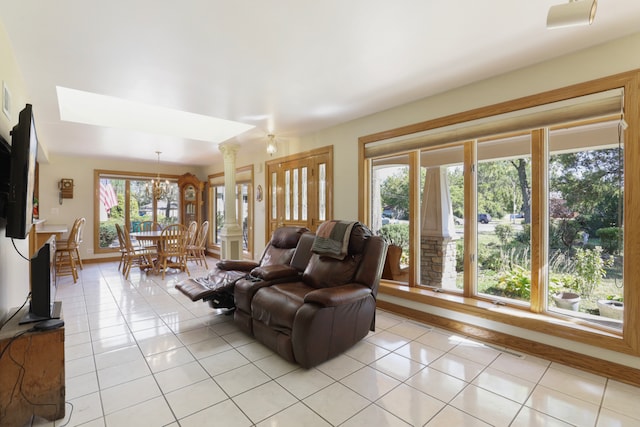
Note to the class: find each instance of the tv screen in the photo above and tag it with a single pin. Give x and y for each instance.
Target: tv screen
(5, 178)
(42, 287)
(24, 148)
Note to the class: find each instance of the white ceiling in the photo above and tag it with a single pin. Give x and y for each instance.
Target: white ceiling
(288, 66)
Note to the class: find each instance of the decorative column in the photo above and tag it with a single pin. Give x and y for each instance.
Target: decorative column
(438, 235)
(231, 232)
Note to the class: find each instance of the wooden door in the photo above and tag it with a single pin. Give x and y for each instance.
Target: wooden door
(299, 190)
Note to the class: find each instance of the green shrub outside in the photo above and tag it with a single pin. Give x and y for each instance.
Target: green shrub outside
(610, 239)
(504, 233)
(396, 234)
(107, 233)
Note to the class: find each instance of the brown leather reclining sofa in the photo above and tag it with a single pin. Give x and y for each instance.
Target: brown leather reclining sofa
(319, 314)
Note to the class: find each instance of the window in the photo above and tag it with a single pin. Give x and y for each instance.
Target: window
(517, 204)
(442, 242)
(504, 218)
(585, 233)
(390, 218)
(124, 199)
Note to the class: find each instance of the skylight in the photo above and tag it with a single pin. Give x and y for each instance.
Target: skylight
(108, 111)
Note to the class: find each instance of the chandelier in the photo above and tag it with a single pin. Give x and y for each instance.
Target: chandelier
(158, 189)
(272, 147)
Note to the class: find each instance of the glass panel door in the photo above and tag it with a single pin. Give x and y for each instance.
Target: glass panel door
(112, 212)
(299, 191)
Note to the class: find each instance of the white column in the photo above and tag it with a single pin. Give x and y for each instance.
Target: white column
(438, 237)
(231, 232)
(437, 214)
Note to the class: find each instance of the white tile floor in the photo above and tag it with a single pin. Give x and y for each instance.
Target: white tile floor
(139, 353)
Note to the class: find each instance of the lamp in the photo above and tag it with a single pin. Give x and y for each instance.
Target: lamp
(158, 189)
(576, 12)
(272, 147)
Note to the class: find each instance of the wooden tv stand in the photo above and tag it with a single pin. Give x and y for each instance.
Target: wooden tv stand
(32, 379)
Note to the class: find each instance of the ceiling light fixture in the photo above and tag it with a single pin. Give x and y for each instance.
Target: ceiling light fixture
(158, 189)
(272, 147)
(576, 12)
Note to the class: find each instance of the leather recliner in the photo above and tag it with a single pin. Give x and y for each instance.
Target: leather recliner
(218, 288)
(323, 312)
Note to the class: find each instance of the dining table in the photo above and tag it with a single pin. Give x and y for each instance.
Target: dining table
(147, 238)
(151, 239)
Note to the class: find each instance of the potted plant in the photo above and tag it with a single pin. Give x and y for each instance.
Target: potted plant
(612, 306)
(397, 238)
(564, 292)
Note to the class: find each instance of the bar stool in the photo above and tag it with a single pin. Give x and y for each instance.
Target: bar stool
(66, 252)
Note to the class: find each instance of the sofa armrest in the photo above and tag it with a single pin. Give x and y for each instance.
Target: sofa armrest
(338, 295)
(273, 272)
(236, 264)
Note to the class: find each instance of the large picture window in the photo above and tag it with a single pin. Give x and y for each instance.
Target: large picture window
(126, 199)
(523, 204)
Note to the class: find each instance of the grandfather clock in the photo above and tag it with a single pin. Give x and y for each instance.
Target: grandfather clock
(190, 198)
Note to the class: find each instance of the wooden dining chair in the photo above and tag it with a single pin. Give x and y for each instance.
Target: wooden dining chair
(66, 253)
(79, 238)
(196, 251)
(149, 226)
(122, 245)
(172, 249)
(141, 257)
(192, 231)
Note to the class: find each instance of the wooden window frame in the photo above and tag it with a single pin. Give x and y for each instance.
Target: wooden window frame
(532, 318)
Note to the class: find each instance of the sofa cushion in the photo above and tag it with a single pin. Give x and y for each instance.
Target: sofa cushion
(274, 255)
(287, 237)
(325, 272)
(359, 235)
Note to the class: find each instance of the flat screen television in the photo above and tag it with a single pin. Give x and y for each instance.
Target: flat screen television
(42, 306)
(24, 149)
(5, 178)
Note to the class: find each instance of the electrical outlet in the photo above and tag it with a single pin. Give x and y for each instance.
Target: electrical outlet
(89, 251)
(55, 211)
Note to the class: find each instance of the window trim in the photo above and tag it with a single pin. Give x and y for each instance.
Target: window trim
(532, 318)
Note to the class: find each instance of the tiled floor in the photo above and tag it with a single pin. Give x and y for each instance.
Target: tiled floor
(138, 353)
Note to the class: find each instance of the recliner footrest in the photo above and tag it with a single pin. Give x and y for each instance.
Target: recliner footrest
(194, 289)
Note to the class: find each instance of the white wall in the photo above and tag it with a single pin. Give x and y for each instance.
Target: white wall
(14, 271)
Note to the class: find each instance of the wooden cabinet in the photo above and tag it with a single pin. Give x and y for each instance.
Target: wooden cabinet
(32, 367)
(191, 189)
